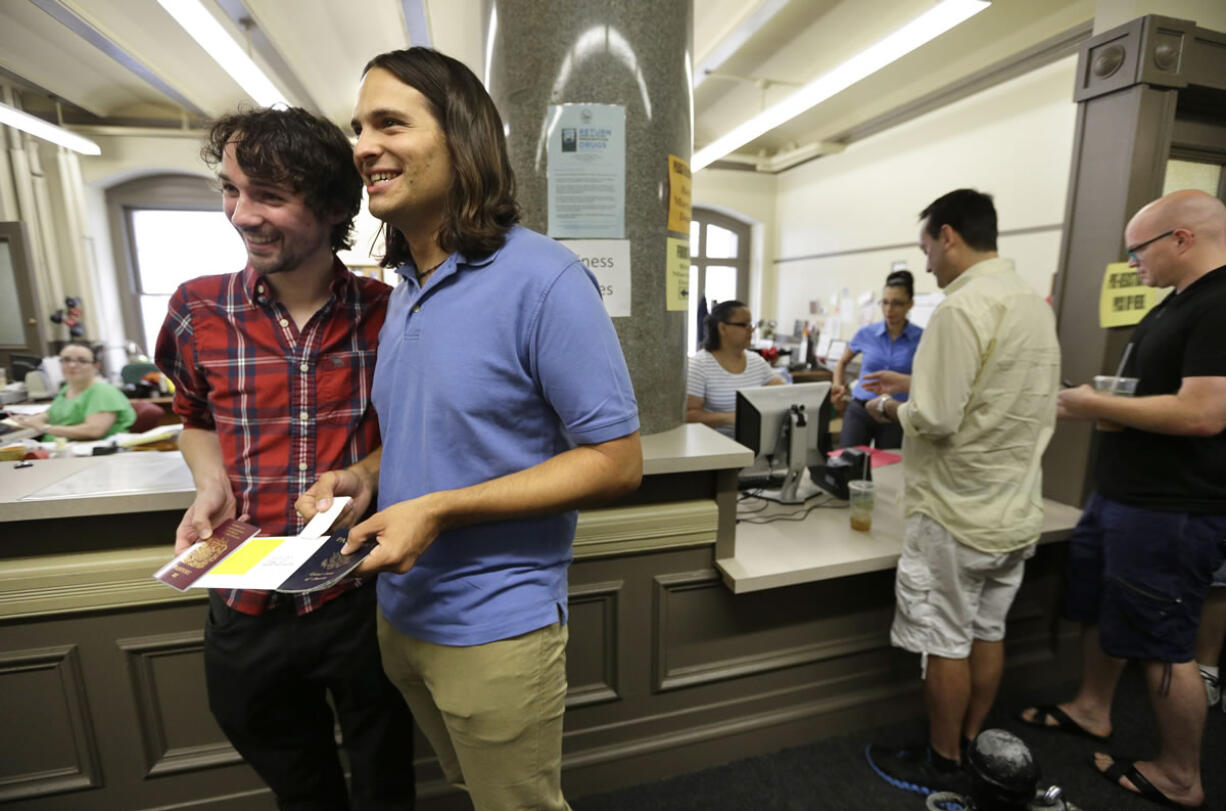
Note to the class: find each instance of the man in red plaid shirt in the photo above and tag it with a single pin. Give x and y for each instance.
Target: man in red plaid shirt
(272, 367)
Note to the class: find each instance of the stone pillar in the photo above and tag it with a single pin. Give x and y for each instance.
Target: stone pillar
(625, 52)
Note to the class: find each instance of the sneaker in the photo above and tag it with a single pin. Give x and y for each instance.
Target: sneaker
(1213, 688)
(911, 768)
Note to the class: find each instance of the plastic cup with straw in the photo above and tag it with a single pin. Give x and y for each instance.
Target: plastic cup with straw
(1119, 370)
(1116, 385)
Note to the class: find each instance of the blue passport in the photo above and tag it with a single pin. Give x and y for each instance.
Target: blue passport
(327, 566)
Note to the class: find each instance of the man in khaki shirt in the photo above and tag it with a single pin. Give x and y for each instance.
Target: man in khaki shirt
(981, 411)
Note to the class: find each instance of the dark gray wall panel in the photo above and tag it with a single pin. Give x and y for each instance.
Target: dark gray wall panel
(49, 746)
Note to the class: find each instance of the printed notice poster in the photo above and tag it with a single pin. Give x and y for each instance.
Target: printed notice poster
(587, 171)
(679, 211)
(677, 275)
(1125, 299)
(609, 261)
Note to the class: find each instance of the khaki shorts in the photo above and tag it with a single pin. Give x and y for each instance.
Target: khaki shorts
(947, 594)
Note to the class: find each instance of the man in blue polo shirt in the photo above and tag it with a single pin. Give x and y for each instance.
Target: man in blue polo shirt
(504, 404)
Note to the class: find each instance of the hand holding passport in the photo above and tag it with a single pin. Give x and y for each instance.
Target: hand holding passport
(236, 557)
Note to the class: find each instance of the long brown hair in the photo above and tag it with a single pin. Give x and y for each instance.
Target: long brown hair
(480, 206)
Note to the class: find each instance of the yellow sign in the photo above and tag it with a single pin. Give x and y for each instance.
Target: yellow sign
(677, 275)
(678, 195)
(1125, 299)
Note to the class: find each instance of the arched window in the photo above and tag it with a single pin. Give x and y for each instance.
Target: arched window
(719, 265)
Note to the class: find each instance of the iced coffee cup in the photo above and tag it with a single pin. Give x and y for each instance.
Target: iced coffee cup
(1118, 387)
(861, 498)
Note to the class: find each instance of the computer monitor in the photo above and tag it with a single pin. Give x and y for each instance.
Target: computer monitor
(23, 365)
(823, 346)
(835, 353)
(788, 429)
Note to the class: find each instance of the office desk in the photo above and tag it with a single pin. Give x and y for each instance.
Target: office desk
(824, 546)
(812, 376)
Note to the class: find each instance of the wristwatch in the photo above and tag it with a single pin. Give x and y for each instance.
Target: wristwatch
(881, 405)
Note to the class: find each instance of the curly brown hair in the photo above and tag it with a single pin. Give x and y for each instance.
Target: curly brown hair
(310, 155)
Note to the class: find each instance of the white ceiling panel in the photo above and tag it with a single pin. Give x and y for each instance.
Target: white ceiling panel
(38, 48)
(326, 43)
(315, 50)
(143, 29)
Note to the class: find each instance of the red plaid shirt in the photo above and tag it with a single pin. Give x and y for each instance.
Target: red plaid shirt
(287, 405)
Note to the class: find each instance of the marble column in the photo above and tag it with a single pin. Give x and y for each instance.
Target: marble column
(624, 52)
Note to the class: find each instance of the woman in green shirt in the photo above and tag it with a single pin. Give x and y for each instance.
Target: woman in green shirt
(87, 407)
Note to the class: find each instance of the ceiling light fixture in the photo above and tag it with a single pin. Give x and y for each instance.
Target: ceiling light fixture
(47, 131)
(225, 51)
(922, 29)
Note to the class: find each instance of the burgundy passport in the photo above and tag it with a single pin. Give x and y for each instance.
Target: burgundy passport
(198, 558)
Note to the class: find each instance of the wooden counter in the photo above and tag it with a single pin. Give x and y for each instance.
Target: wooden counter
(668, 669)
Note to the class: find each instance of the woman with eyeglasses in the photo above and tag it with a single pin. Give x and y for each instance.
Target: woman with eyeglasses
(87, 407)
(722, 366)
(888, 348)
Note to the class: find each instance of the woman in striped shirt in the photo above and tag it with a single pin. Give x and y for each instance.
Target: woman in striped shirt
(722, 366)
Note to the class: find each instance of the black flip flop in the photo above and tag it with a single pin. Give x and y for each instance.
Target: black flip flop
(1128, 768)
(1064, 723)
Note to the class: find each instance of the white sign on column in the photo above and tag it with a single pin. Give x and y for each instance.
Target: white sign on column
(609, 261)
(586, 174)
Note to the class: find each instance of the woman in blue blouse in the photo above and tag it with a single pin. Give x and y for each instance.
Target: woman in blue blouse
(887, 345)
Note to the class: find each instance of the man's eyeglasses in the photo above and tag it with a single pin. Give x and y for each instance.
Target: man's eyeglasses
(742, 324)
(1135, 250)
(77, 361)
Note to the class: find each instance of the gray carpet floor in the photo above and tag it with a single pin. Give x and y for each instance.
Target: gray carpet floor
(832, 774)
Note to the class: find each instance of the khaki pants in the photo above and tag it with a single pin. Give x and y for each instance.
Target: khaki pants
(492, 713)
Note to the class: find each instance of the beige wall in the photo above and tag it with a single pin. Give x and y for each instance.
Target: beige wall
(1013, 140)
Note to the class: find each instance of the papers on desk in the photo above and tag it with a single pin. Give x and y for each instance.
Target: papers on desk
(125, 440)
(879, 457)
(27, 409)
(234, 559)
(16, 433)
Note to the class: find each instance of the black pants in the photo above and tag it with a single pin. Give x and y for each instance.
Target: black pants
(859, 428)
(269, 677)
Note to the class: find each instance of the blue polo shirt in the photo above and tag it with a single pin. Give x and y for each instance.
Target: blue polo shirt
(495, 366)
(881, 352)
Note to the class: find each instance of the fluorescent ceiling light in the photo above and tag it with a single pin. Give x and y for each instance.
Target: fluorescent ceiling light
(48, 132)
(922, 29)
(217, 43)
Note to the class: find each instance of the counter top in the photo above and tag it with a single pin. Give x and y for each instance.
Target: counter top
(146, 482)
(95, 485)
(692, 447)
(823, 545)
